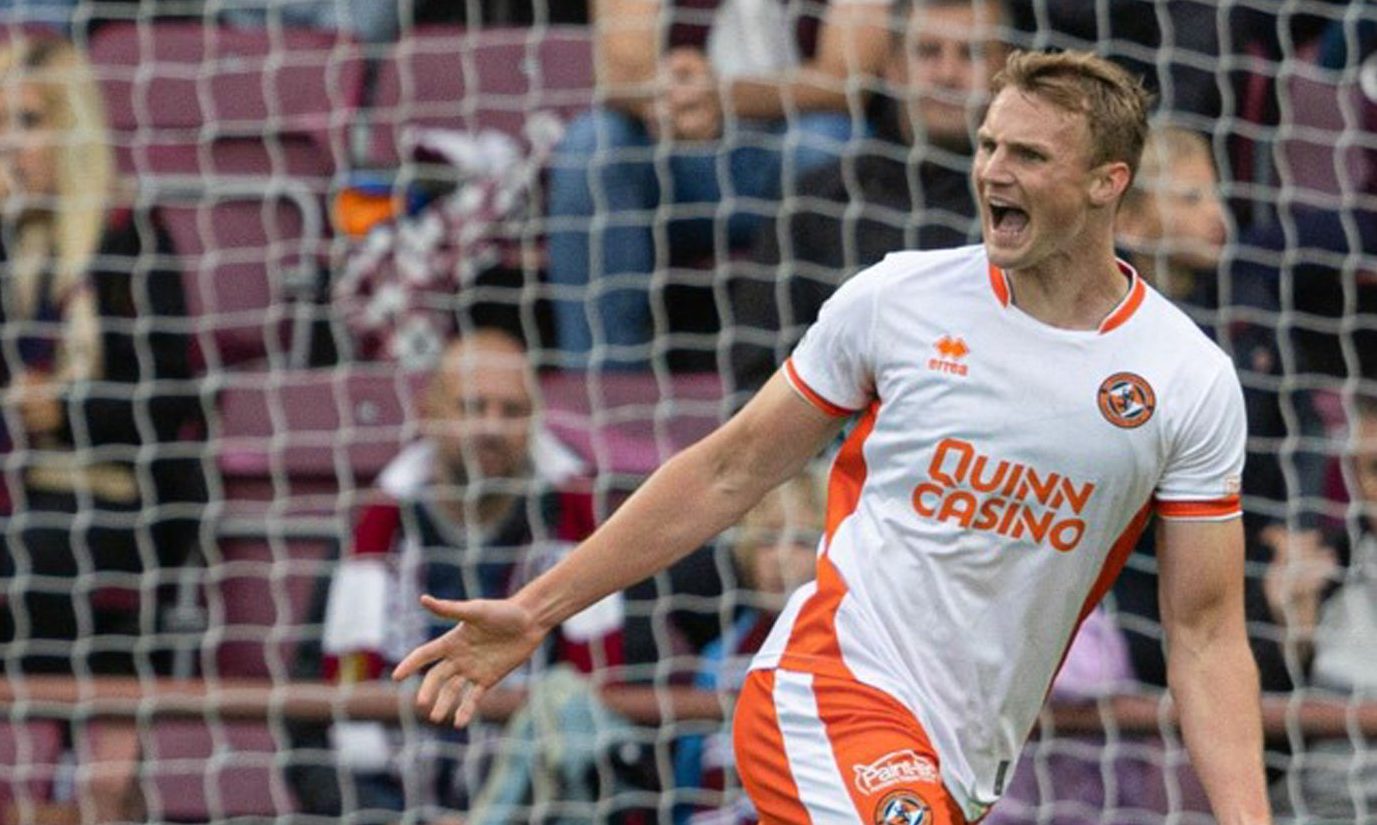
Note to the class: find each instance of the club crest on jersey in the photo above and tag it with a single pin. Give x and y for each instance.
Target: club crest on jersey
(902, 808)
(951, 351)
(895, 768)
(1127, 400)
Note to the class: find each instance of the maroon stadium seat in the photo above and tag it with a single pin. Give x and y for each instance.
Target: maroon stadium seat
(479, 79)
(29, 754)
(187, 98)
(630, 423)
(292, 441)
(259, 598)
(248, 252)
(199, 772)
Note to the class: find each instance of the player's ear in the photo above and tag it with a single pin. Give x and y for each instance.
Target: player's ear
(1109, 182)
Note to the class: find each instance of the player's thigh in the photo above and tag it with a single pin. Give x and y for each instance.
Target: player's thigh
(816, 749)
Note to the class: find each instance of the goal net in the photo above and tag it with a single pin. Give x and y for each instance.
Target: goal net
(239, 236)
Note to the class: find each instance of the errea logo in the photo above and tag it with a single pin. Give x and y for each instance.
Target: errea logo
(951, 351)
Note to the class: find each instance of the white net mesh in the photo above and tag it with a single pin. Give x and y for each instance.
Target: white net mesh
(310, 198)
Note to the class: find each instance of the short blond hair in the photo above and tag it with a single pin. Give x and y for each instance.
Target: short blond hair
(1165, 146)
(1115, 103)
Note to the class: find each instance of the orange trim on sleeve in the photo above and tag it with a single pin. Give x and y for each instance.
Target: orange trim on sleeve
(1219, 508)
(811, 395)
(999, 285)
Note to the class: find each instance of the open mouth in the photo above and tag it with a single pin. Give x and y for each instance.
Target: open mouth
(1008, 219)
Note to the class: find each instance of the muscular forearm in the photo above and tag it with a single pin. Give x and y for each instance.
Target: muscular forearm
(692, 498)
(627, 53)
(852, 50)
(807, 91)
(1215, 686)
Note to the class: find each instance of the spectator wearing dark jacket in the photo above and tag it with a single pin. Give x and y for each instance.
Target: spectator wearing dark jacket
(907, 189)
(96, 367)
(472, 509)
(105, 492)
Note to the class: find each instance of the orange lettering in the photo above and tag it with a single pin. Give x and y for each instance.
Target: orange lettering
(978, 470)
(922, 490)
(959, 504)
(1037, 525)
(1014, 478)
(989, 513)
(1043, 488)
(1014, 489)
(1078, 498)
(939, 458)
(1066, 543)
(1008, 522)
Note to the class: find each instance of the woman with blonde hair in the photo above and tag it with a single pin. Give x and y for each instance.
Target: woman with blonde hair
(95, 363)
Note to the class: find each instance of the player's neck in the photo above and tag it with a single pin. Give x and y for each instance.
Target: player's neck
(1070, 291)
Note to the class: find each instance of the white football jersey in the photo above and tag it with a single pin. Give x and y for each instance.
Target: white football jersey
(999, 475)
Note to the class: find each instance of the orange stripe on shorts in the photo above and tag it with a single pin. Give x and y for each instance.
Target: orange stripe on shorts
(761, 760)
(884, 756)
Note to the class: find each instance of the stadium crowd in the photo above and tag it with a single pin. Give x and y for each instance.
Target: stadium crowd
(306, 307)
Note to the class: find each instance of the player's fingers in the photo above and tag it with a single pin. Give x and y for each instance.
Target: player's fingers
(445, 609)
(431, 684)
(417, 659)
(448, 699)
(468, 708)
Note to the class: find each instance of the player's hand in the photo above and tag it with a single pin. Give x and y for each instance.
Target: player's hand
(490, 640)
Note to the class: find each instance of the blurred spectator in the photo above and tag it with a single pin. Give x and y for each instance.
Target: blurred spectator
(1315, 274)
(1172, 228)
(1302, 569)
(98, 399)
(910, 189)
(473, 510)
(774, 551)
(1335, 780)
(366, 20)
(712, 111)
(1172, 224)
(435, 261)
(1301, 87)
(1179, 38)
(1307, 96)
(373, 21)
(1070, 774)
(54, 13)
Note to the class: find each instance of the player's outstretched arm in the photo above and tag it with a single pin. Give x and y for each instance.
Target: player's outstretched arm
(693, 497)
(1210, 668)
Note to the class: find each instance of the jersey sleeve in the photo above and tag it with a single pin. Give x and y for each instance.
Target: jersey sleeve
(1203, 475)
(833, 366)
